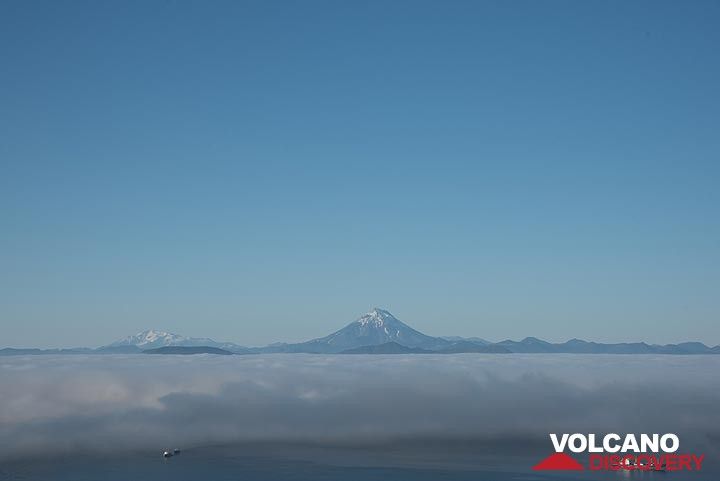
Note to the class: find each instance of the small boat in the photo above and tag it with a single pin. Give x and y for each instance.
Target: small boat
(660, 467)
(168, 454)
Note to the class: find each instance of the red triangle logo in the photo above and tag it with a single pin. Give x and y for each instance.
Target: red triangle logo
(558, 462)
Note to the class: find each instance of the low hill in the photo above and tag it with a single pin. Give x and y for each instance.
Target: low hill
(386, 348)
(461, 347)
(188, 350)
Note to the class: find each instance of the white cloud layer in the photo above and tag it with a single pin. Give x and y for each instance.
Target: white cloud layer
(85, 403)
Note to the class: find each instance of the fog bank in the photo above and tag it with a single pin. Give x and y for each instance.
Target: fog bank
(85, 403)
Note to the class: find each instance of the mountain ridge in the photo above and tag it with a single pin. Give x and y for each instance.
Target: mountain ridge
(377, 328)
(152, 339)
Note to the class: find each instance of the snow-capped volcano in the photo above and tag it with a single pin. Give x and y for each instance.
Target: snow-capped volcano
(376, 318)
(151, 339)
(376, 327)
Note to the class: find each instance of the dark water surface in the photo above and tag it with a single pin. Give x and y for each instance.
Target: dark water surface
(287, 463)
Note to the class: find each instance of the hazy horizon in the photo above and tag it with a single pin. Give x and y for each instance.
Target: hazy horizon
(200, 335)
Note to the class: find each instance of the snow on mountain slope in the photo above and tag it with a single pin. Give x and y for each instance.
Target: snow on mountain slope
(151, 339)
(376, 327)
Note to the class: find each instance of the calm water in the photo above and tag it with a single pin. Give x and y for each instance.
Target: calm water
(301, 464)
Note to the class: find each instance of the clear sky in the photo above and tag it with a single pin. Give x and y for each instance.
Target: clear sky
(264, 171)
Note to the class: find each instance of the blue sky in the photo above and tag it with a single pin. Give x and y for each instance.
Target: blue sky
(264, 171)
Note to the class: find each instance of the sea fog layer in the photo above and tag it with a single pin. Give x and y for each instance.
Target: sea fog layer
(82, 404)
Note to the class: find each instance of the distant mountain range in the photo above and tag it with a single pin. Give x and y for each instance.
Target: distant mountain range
(377, 332)
(152, 339)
